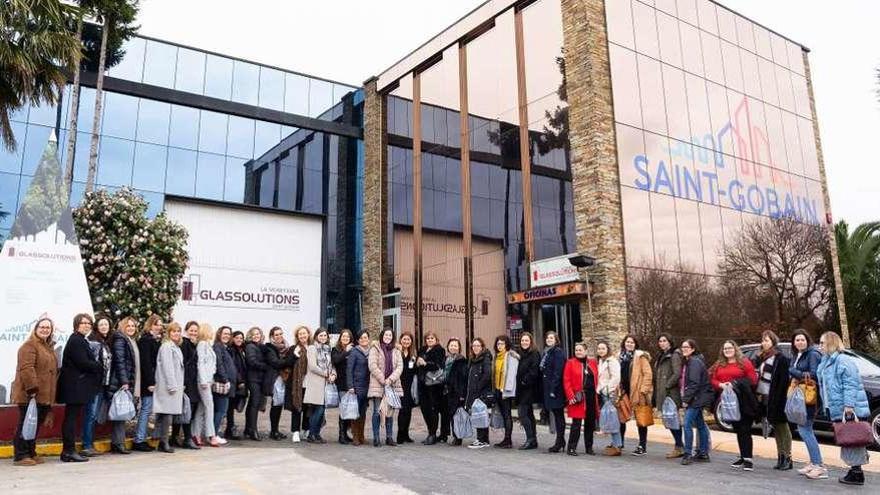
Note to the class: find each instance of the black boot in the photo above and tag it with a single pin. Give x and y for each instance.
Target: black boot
(779, 458)
(855, 476)
(119, 449)
(529, 445)
(164, 447)
(555, 448)
(74, 457)
(390, 442)
(174, 442)
(190, 445)
(786, 464)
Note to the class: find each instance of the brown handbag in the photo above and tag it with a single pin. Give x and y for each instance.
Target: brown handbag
(624, 408)
(808, 386)
(853, 433)
(644, 415)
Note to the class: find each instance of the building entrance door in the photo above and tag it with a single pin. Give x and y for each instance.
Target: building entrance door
(564, 319)
(391, 313)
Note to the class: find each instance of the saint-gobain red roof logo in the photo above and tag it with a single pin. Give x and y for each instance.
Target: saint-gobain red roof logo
(535, 275)
(12, 252)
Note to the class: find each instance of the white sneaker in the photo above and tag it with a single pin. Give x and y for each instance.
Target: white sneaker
(295, 437)
(806, 469)
(818, 473)
(221, 440)
(478, 445)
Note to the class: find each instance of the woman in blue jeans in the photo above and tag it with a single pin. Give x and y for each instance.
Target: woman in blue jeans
(696, 394)
(804, 365)
(99, 342)
(385, 363)
(320, 373)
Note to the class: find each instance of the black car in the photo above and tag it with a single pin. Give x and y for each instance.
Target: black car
(869, 368)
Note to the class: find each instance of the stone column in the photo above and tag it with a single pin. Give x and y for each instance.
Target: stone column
(375, 207)
(595, 175)
(829, 223)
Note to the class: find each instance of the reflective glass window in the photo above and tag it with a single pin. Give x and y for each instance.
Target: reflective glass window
(670, 44)
(651, 90)
(745, 33)
(81, 156)
(240, 141)
(645, 25)
(209, 176)
(762, 43)
(698, 110)
(184, 131)
(712, 57)
(8, 199)
(34, 144)
(131, 67)
(218, 77)
(119, 113)
(732, 66)
(667, 6)
(751, 77)
(692, 52)
(801, 96)
(708, 20)
(712, 236)
(690, 241)
(245, 83)
(154, 118)
(807, 137)
(45, 115)
(212, 132)
(625, 86)
(181, 176)
(160, 64)
(150, 161)
(676, 103)
(320, 97)
(271, 88)
(786, 94)
(296, 94)
(10, 160)
(86, 110)
(796, 58)
(266, 137)
(687, 11)
(779, 47)
(767, 75)
(620, 23)
(190, 71)
(726, 25)
(233, 189)
(638, 238)
(115, 160)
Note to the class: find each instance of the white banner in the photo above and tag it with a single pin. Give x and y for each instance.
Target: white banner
(553, 271)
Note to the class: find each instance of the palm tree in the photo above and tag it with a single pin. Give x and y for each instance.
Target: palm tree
(36, 52)
(859, 257)
(117, 16)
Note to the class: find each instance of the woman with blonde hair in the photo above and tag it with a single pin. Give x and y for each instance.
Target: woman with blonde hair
(844, 399)
(203, 424)
(168, 394)
(148, 348)
(125, 374)
(321, 373)
(256, 371)
(295, 388)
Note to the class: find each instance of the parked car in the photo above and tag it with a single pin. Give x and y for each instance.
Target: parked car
(869, 368)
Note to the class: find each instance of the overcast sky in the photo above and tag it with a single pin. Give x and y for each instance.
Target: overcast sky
(350, 40)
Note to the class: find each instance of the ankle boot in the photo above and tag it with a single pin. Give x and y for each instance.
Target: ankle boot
(855, 476)
(786, 463)
(355, 433)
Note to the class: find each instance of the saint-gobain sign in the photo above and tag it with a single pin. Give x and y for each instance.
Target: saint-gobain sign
(551, 271)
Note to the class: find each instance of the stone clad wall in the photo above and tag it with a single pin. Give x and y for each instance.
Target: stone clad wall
(375, 206)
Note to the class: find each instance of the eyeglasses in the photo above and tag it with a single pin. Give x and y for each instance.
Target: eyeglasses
(685, 346)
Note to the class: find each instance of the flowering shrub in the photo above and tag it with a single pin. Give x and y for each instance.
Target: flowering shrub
(133, 264)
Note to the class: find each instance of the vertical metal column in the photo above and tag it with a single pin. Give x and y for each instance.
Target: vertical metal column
(464, 141)
(417, 206)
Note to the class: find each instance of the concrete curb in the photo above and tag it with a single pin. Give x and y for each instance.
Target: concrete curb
(54, 448)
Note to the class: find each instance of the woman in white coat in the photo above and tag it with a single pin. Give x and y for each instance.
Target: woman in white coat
(168, 395)
(203, 422)
(609, 388)
(320, 373)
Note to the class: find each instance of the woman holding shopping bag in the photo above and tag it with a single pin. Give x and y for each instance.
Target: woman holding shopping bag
(728, 373)
(34, 380)
(168, 395)
(580, 382)
(773, 380)
(386, 367)
(125, 374)
(203, 424)
(78, 381)
(609, 389)
(358, 374)
(320, 375)
(637, 384)
(804, 366)
(667, 373)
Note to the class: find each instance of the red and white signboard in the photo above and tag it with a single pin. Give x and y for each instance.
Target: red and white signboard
(552, 271)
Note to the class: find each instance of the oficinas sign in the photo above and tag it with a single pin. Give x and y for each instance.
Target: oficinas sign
(743, 193)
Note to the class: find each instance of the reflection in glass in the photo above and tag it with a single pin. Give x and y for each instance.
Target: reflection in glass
(153, 121)
(181, 177)
(271, 88)
(320, 97)
(190, 71)
(10, 160)
(8, 198)
(212, 131)
(233, 188)
(218, 77)
(645, 27)
(296, 94)
(150, 161)
(625, 86)
(160, 63)
(266, 137)
(115, 161)
(245, 83)
(131, 67)
(241, 137)
(118, 113)
(184, 131)
(34, 144)
(209, 176)
(638, 238)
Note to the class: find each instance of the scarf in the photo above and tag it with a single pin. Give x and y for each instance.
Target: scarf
(626, 361)
(137, 366)
(297, 376)
(544, 358)
(387, 349)
(281, 347)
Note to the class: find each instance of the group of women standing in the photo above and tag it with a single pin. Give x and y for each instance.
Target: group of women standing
(194, 377)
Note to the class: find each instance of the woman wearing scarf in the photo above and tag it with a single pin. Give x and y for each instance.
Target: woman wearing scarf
(386, 366)
(772, 393)
(456, 373)
(294, 390)
(667, 373)
(277, 358)
(320, 373)
(636, 381)
(236, 350)
(552, 363)
(125, 374)
(580, 382)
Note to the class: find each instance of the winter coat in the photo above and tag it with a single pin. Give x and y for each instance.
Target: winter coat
(376, 363)
(190, 370)
(511, 366)
(552, 364)
(101, 352)
(609, 377)
(808, 363)
(123, 370)
(528, 377)
(840, 385)
(696, 389)
(294, 386)
(573, 382)
(729, 372)
(340, 364)
(667, 373)
(35, 372)
(316, 378)
(207, 363)
(407, 377)
(226, 372)
(168, 396)
(456, 384)
(641, 379)
(479, 385)
(148, 346)
(276, 360)
(435, 359)
(80, 377)
(357, 371)
(773, 408)
(240, 369)
(256, 363)
(746, 399)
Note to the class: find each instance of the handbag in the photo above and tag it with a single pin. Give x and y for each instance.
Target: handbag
(331, 396)
(31, 419)
(185, 415)
(808, 385)
(121, 406)
(644, 415)
(435, 377)
(624, 408)
(220, 388)
(853, 433)
(461, 424)
(348, 406)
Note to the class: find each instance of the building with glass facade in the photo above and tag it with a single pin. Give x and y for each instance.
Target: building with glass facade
(662, 138)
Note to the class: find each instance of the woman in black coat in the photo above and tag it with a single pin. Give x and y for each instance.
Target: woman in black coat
(528, 388)
(772, 391)
(124, 374)
(357, 373)
(239, 392)
(552, 365)
(78, 382)
(277, 357)
(190, 384)
(696, 395)
(339, 357)
(455, 385)
(431, 364)
(256, 371)
(479, 386)
(407, 402)
(224, 376)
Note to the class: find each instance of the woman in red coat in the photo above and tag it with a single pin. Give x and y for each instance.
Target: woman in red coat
(733, 367)
(580, 379)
